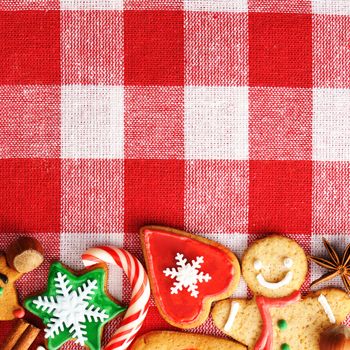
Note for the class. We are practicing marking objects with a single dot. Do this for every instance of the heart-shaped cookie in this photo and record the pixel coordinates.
(187, 274)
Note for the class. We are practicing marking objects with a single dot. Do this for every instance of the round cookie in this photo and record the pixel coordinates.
(274, 266)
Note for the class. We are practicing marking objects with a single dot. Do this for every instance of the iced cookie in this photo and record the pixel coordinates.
(187, 273)
(164, 340)
(278, 317)
(75, 306)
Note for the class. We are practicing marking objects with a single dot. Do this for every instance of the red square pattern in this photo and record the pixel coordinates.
(92, 195)
(280, 195)
(331, 51)
(154, 193)
(30, 193)
(29, 47)
(92, 47)
(216, 48)
(280, 49)
(280, 123)
(331, 198)
(283, 6)
(154, 321)
(30, 121)
(216, 196)
(153, 122)
(154, 46)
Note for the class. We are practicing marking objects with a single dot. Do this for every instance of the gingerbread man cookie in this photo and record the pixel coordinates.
(278, 318)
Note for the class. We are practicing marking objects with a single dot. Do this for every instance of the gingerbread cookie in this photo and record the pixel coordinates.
(23, 255)
(278, 318)
(75, 306)
(187, 273)
(164, 340)
(9, 305)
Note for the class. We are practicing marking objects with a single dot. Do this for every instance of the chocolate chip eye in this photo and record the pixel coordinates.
(257, 265)
(288, 262)
(3, 278)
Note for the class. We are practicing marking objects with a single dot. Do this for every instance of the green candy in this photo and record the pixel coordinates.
(282, 325)
(1, 291)
(285, 346)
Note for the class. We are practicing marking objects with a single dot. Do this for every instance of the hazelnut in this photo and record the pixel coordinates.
(335, 338)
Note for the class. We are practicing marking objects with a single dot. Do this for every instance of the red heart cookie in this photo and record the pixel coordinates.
(187, 274)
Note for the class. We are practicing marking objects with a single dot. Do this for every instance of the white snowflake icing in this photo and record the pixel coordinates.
(70, 309)
(187, 275)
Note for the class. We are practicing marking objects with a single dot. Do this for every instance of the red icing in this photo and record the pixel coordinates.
(264, 304)
(162, 247)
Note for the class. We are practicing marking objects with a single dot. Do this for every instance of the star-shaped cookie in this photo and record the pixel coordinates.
(74, 307)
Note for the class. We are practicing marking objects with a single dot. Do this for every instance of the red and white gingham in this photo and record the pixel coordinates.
(226, 118)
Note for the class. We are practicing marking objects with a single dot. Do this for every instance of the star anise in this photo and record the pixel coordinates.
(336, 265)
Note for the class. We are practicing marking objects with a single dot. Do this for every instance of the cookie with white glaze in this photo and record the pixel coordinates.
(277, 262)
(278, 318)
(75, 306)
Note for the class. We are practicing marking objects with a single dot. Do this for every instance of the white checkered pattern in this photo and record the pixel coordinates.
(92, 121)
(91, 5)
(216, 122)
(216, 6)
(334, 7)
(331, 124)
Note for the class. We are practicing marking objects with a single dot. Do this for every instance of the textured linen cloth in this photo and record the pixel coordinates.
(227, 118)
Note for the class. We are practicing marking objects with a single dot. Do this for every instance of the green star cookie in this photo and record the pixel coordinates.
(74, 307)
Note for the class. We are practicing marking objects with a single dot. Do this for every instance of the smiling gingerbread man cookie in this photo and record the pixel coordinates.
(278, 318)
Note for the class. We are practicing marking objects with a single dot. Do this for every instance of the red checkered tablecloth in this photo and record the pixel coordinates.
(226, 118)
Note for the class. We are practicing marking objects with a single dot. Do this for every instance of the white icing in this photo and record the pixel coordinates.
(288, 262)
(327, 308)
(257, 265)
(187, 275)
(275, 285)
(232, 316)
(40, 348)
(70, 309)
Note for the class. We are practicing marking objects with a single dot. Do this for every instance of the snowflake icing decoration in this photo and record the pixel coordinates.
(187, 275)
(70, 309)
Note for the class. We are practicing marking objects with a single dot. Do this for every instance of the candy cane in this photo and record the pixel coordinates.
(138, 307)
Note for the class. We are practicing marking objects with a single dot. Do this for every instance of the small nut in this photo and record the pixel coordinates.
(335, 338)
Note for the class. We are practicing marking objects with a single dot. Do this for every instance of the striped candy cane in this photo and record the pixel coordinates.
(139, 303)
